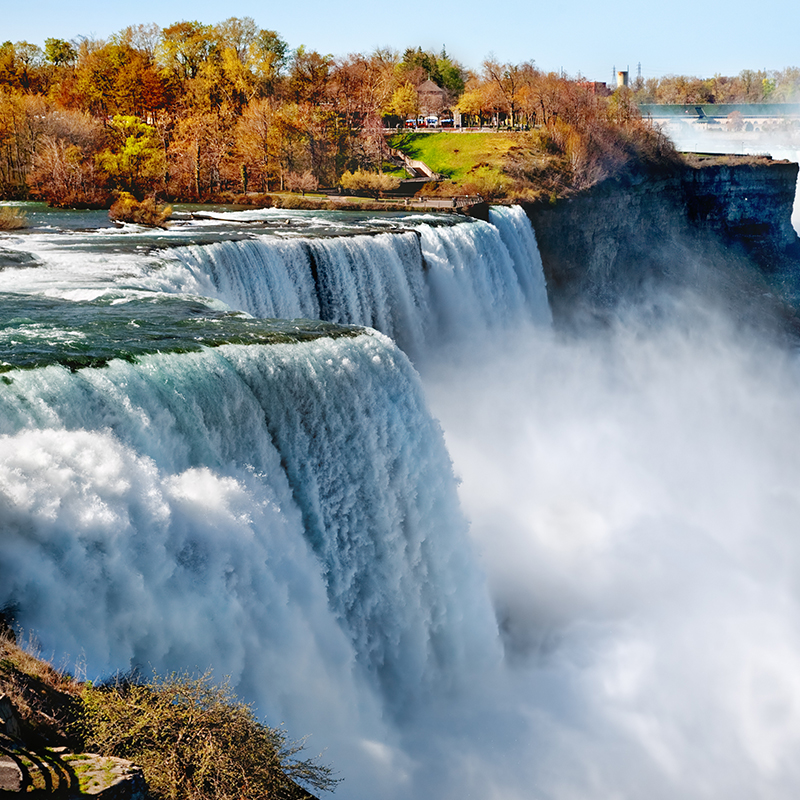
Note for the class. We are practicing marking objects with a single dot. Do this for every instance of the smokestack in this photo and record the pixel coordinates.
(622, 78)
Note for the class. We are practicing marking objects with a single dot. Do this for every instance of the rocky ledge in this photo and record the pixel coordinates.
(612, 242)
(34, 770)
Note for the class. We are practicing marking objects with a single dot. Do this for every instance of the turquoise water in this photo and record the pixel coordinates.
(37, 331)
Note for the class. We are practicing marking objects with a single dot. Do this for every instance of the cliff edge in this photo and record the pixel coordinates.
(723, 221)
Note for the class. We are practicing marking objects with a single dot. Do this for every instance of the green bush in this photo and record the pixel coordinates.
(196, 741)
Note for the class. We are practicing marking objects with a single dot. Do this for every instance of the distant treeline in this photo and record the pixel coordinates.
(194, 111)
(749, 86)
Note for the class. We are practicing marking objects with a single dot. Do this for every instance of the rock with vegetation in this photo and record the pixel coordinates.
(178, 737)
(140, 212)
(12, 219)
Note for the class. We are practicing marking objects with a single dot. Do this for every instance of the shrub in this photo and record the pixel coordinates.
(195, 740)
(301, 182)
(141, 212)
(12, 219)
(372, 184)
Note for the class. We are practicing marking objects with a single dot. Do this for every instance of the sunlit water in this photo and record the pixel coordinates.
(606, 605)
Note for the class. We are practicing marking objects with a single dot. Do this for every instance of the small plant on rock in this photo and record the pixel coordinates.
(12, 219)
(141, 212)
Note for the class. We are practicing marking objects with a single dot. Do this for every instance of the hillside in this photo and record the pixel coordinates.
(549, 161)
(185, 736)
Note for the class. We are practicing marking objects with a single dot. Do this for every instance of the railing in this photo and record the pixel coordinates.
(467, 200)
(415, 167)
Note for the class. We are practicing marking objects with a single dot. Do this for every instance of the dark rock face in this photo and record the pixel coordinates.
(613, 242)
(9, 721)
(749, 206)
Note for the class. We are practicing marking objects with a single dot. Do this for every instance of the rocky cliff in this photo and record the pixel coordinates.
(726, 218)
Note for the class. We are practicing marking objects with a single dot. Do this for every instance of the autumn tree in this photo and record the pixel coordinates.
(114, 78)
(787, 85)
(22, 123)
(21, 67)
(184, 46)
(229, 67)
(65, 172)
(301, 182)
(320, 137)
(475, 102)
(268, 57)
(259, 141)
(309, 73)
(65, 176)
(368, 147)
(143, 37)
(361, 86)
(200, 146)
(404, 102)
(506, 81)
(135, 160)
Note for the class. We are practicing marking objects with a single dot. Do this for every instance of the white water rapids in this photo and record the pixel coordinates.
(607, 605)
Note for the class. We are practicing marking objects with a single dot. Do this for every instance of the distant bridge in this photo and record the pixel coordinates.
(753, 115)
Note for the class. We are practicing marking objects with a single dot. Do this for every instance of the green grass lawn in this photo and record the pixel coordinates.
(457, 155)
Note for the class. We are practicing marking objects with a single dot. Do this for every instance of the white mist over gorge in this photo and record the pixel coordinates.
(471, 553)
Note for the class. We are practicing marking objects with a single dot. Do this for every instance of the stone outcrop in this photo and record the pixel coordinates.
(613, 242)
(69, 776)
(55, 771)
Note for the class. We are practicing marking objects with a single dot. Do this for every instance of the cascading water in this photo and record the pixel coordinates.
(329, 442)
(184, 486)
(420, 288)
(277, 502)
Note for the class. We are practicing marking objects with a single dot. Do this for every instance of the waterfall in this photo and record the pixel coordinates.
(597, 597)
(142, 495)
(519, 239)
(421, 288)
(286, 514)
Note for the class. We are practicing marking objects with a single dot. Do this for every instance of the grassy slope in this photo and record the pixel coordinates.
(458, 156)
(45, 698)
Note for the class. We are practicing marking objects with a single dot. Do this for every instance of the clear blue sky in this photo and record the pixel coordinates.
(681, 37)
